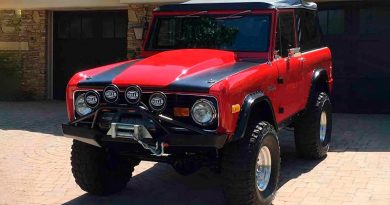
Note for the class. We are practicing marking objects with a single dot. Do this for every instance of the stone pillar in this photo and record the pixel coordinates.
(137, 14)
(34, 75)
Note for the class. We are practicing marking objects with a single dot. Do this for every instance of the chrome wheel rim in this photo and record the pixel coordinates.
(263, 168)
(323, 126)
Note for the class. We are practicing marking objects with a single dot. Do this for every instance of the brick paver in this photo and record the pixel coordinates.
(35, 166)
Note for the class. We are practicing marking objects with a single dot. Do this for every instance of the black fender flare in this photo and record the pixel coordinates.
(319, 75)
(249, 104)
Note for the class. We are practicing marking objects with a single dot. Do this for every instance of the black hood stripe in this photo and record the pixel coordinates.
(202, 82)
(105, 78)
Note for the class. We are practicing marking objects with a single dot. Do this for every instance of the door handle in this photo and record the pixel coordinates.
(302, 59)
(280, 80)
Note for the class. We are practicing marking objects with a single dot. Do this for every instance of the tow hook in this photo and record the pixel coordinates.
(157, 150)
(137, 133)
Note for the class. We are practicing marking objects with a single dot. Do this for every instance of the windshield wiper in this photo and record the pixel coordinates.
(193, 15)
(236, 15)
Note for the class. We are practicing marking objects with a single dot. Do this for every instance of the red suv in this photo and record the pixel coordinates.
(215, 82)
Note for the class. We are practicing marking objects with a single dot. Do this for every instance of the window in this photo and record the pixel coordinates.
(114, 26)
(120, 26)
(285, 35)
(375, 21)
(309, 33)
(332, 21)
(87, 27)
(75, 27)
(63, 28)
(108, 27)
(68, 27)
(165, 38)
(239, 33)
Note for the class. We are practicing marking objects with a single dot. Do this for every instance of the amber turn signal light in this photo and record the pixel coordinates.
(181, 112)
(236, 108)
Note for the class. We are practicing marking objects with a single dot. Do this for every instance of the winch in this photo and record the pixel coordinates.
(138, 133)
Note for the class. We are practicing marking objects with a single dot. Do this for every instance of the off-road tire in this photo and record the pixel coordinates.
(98, 172)
(307, 129)
(239, 164)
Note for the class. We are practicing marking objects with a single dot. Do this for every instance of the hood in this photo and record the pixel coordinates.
(182, 70)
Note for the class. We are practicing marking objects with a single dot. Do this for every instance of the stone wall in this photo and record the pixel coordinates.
(34, 31)
(23, 42)
(23, 47)
(137, 15)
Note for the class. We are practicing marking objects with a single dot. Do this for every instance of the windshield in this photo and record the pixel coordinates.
(233, 33)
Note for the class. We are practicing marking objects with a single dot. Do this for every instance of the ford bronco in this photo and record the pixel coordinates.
(215, 82)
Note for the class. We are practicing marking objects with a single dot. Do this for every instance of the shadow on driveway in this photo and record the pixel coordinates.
(40, 116)
(161, 185)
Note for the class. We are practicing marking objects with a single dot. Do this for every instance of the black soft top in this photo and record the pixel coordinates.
(195, 5)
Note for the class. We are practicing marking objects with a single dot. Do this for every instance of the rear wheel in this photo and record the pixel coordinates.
(251, 166)
(314, 128)
(97, 172)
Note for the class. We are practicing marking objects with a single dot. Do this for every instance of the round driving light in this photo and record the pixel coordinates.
(203, 112)
(133, 94)
(92, 99)
(111, 93)
(158, 101)
(81, 107)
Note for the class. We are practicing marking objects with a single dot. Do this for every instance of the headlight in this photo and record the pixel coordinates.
(81, 107)
(203, 112)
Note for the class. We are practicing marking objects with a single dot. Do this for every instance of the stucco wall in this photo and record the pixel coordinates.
(23, 40)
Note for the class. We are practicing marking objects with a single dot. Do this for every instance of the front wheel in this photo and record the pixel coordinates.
(314, 128)
(97, 172)
(251, 167)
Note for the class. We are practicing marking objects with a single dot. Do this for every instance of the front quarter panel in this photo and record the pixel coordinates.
(233, 90)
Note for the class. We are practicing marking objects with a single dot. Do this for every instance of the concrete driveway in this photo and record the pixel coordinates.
(35, 166)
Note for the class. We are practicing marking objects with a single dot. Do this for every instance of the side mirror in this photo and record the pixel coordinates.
(293, 51)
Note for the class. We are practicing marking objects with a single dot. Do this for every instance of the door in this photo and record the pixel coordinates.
(358, 35)
(289, 65)
(310, 40)
(84, 40)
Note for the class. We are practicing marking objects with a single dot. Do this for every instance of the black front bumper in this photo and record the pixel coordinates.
(173, 139)
(173, 134)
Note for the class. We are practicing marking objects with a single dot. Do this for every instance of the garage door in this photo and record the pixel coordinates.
(85, 40)
(358, 35)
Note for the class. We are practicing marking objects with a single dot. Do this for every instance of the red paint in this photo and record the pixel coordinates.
(159, 69)
(72, 84)
(292, 95)
(164, 68)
